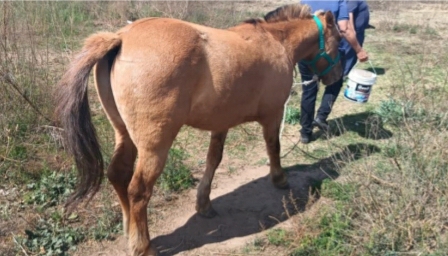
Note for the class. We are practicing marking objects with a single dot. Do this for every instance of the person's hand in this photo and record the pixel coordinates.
(362, 55)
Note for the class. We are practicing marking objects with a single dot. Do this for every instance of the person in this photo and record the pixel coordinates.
(350, 45)
(359, 17)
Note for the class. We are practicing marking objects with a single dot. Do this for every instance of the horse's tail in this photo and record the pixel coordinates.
(73, 113)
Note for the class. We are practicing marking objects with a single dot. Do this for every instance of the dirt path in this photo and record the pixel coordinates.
(247, 204)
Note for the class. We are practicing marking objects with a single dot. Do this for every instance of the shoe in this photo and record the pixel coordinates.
(321, 124)
(305, 138)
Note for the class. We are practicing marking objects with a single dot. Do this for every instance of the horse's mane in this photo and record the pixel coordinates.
(285, 13)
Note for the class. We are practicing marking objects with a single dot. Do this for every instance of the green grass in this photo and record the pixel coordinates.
(332, 238)
(339, 192)
(278, 237)
(176, 175)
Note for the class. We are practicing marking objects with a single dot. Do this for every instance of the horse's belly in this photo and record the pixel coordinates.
(207, 119)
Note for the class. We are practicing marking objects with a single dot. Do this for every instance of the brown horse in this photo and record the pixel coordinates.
(157, 74)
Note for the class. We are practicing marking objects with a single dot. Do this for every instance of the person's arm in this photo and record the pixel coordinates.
(351, 22)
(347, 29)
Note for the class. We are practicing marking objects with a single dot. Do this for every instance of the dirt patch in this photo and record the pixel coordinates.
(247, 204)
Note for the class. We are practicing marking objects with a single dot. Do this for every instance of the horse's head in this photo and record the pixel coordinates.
(324, 62)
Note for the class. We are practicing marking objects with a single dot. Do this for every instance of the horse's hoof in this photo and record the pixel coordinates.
(153, 252)
(149, 252)
(209, 213)
(283, 185)
(280, 181)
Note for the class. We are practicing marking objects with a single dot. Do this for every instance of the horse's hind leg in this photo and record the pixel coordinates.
(120, 172)
(152, 153)
(271, 131)
(214, 157)
(121, 167)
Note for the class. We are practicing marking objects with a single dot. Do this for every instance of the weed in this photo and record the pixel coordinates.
(231, 169)
(278, 237)
(393, 111)
(176, 176)
(52, 238)
(338, 191)
(331, 240)
(259, 242)
(262, 161)
(51, 189)
(18, 152)
(430, 31)
(292, 115)
(401, 27)
(106, 226)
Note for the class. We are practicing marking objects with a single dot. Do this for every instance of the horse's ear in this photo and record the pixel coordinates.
(329, 18)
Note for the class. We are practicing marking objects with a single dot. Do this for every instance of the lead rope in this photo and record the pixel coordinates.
(315, 78)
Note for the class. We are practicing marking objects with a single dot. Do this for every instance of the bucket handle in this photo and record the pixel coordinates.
(374, 71)
(371, 65)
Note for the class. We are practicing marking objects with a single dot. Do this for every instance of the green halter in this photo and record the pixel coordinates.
(322, 53)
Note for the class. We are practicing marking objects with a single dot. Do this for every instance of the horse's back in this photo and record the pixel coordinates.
(218, 77)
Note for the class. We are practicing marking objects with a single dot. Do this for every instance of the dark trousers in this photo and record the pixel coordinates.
(309, 95)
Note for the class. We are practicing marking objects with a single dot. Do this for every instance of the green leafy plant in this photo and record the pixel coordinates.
(394, 111)
(292, 115)
(52, 238)
(51, 188)
(338, 191)
(278, 237)
(332, 237)
(176, 175)
(19, 152)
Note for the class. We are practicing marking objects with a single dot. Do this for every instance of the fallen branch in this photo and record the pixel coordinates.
(10, 80)
(9, 159)
(381, 181)
(21, 247)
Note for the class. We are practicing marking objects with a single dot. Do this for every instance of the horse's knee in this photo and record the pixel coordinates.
(121, 167)
(118, 176)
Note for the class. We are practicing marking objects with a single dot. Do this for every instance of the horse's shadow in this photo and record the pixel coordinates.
(256, 205)
(365, 124)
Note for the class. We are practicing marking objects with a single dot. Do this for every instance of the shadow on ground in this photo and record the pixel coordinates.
(378, 70)
(257, 205)
(366, 124)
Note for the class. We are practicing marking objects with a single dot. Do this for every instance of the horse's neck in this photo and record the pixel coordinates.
(299, 37)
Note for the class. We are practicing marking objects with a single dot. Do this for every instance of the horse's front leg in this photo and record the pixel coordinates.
(214, 157)
(271, 130)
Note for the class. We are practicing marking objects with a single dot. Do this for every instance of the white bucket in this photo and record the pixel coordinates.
(359, 85)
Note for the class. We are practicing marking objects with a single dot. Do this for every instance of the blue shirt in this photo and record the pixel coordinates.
(361, 14)
(337, 7)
